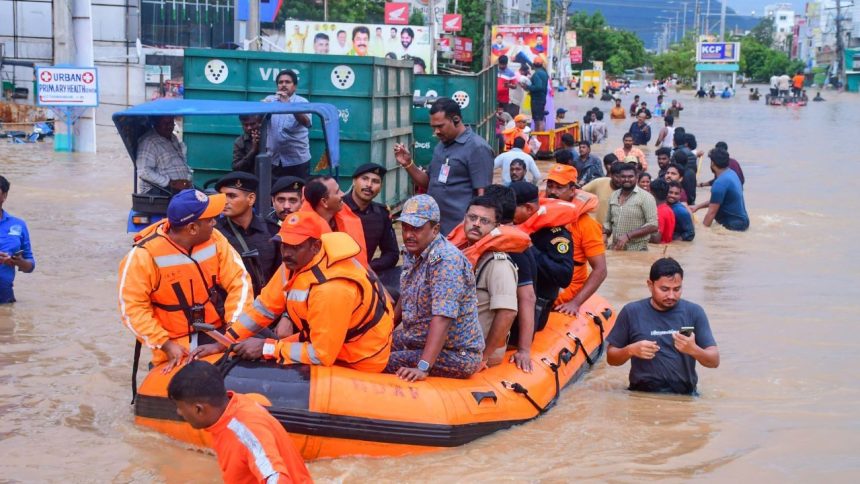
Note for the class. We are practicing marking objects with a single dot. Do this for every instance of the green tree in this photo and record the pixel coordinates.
(417, 17)
(679, 60)
(618, 49)
(352, 11)
(763, 32)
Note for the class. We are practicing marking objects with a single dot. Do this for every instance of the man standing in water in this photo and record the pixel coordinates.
(726, 204)
(15, 249)
(663, 336)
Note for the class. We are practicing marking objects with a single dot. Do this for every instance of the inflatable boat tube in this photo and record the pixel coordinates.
(336, 411)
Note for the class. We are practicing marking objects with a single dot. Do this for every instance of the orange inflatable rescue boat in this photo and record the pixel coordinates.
(337, 411)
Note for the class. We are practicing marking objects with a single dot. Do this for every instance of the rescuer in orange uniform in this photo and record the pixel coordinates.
(517, 131)
(586, 235)
(340, 308)
(179, 272)
(252, 446)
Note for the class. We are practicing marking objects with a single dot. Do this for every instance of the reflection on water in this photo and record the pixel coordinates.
(781, 298)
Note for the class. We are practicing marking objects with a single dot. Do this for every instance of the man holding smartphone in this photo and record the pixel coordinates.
(287, 138)
(663, 336)
(15, 250)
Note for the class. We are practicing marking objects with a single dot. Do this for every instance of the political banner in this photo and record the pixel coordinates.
(521, 43)
(376, 40)
(576, 55)
(718, 52)
(67, 86)
(570, 38)
(396, 13)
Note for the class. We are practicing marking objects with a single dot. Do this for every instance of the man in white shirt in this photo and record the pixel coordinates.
(504, 160)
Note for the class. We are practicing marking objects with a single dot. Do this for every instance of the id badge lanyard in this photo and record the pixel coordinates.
(443, 172)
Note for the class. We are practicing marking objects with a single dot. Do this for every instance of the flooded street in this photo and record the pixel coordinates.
(782, 300)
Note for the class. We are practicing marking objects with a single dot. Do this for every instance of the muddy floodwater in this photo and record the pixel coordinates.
(782, 299)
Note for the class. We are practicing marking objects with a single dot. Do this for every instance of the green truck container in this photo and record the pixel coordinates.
(373, 96)
(476, 95)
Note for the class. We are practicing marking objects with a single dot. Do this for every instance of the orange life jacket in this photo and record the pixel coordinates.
(367, 342)
(558, 213)
(513, 133)
(159, 290)
(347, 221)
(503, 238)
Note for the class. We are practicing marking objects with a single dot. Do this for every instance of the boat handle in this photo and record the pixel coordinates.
(481, 396)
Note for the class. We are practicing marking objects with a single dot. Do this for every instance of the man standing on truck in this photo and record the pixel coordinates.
(288, 133)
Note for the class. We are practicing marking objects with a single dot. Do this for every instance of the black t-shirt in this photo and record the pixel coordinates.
(526, 267)
(553, 253)
(670, 370)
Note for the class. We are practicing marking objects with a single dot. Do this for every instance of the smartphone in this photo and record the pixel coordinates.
(20, 253)
(687, 330)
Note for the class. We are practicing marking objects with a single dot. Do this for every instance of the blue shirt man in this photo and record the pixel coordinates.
(15, 249)
(726, 204)
(287, 138)
(684, 228)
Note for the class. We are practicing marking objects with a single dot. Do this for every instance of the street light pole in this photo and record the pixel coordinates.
(723, 21)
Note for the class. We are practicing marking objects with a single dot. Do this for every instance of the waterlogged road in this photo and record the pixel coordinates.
(782, 299)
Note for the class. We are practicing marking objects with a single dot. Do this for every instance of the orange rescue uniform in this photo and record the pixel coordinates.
(587, 237)
(159, 283)
(253, 447)
(511, 134)
(503, 238)
(348, 222)
(340, 308)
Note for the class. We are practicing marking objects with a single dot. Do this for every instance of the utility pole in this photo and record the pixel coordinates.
(696, 21)
(840, 53)
(707, 28)
(723, 21)
(684, 30)
(676, 26)
(252, 31)
(488, 19)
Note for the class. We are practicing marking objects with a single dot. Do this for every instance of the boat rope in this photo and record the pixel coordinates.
(225, 363)
(564, 357)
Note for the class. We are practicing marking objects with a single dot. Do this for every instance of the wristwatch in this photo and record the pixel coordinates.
(423, 366)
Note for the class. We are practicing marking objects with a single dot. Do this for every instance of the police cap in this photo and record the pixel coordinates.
(287, 184)
(239, 180)
(374, 168)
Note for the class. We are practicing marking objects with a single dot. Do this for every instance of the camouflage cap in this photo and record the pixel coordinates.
(418, 210)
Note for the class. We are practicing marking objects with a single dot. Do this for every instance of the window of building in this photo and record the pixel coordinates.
(203, 24)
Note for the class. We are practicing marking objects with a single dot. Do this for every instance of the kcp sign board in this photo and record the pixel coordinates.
(67, 86)
(718, 52)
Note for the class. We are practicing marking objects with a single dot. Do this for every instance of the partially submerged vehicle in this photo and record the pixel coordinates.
(150, 207)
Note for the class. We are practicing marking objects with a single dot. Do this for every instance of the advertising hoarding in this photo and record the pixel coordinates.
(521, 43)
(718, 52)
(576, 55)
(377, 40)
(463, 49)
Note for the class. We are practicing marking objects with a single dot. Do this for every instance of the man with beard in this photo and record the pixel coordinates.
(587, 237)
(246, 231)
(631, 154)
(407, 35)
(632, 216)
(664, 157)
(247, 146)
(663, 336)
(640, 130)
(374, 216)
(588, 166)
(684, 228)
(286, 199)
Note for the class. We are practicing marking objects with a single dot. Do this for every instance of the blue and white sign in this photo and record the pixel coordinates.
(718, 52)
(67, 86)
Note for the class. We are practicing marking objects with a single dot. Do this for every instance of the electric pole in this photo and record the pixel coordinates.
(840, 54)
(488, 19)
(723, 21)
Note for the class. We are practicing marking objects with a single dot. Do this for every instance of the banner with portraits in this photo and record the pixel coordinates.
(377, 40)
(522, 44)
